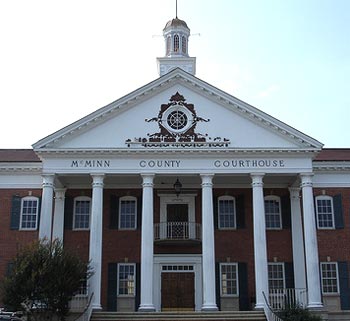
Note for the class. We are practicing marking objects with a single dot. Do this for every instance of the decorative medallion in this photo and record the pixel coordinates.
(177, 121)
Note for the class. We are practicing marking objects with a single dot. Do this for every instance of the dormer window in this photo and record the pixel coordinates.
(176, 43)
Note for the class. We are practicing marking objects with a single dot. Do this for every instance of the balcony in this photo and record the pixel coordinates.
(177, 233)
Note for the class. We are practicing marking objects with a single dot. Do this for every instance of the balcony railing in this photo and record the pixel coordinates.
(177, 231)
(282, 298)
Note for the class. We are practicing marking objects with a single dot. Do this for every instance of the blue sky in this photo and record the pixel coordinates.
(61, 60)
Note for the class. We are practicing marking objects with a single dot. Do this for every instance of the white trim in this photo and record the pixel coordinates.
(324, 197)
(283, 271)
(237, 280)
(278, 199)
(337, 273)
(28, 198)
(126, 295)
(184, 259)
(81, 198)
(127, 198)
(227, 198)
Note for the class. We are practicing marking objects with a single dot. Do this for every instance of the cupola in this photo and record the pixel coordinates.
(176, 34)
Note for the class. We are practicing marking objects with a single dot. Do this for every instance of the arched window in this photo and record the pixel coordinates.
(324, 212)
(82, 210)
(168, 45)
(184, 45)
(273, 212)
(176, 43)
(127, 212)
(227, 212)
(29, 213)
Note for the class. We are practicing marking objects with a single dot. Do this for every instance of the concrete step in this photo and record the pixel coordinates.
(179, 316)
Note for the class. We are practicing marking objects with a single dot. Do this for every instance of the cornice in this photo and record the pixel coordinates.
(331, 166)
(26, 168)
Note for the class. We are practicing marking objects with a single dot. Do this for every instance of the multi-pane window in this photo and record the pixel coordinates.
(168, 45)
(226, 212)
(276, 275)
(126, 279)
(82, 209)
(324, 212)
(29, 213)
(176, 43)
(329, 276)
(127, 212)
(273, 212)
(229, 279)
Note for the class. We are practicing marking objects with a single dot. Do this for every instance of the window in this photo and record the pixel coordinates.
(184, 44)
(127, 212)
(168, 45)
(126, 279)
(273, 212)
(229, 279)
(329, 276)
(176, 43)
(276, 275)
(82, 208)
(227, 212)
(324, 212)
(29, 213)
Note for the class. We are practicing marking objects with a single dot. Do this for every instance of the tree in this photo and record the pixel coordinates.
(43, 280)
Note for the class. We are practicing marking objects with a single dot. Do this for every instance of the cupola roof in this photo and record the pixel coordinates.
(175, 23)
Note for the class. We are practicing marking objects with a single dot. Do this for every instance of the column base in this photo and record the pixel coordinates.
(96, 306)
(259, 306)
(315, 306)
(209, 307)
(146, 308)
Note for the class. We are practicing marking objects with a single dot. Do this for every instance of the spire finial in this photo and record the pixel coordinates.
(176, 9)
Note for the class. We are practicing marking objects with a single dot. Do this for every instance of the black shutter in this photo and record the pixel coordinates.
(9, 269)
(138, 286)
(68, 212)
(289, 275)
(217, 283)
(39, 212)
(139, 212)
(215, 211)
(286, 212)
(240, 210)
(338, 211)
(114, 212)
(344, 285)
(112, 288)
(243, 286)
(15, 212)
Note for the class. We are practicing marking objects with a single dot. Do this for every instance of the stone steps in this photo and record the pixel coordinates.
(179, 316)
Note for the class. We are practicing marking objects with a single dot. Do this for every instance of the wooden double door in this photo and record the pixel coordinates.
(178, 291)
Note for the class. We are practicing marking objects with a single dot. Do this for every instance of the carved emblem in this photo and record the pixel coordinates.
(177, 121)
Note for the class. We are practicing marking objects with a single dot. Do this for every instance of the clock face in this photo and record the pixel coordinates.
(177, 119)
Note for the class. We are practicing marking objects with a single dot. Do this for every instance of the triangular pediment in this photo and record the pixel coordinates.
(150, 118)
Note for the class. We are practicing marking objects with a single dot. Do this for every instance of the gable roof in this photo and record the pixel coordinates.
(179, 76)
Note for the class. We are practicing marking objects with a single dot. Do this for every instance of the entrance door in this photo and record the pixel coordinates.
(177, 221)
(178, 291)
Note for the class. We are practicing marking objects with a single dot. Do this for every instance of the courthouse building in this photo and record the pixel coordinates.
(185, 198)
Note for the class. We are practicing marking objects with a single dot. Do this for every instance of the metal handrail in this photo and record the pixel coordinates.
(177, 231)
(269, 312)
(86, 314)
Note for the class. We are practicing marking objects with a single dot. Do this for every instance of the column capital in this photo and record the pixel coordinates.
(97, 180)
(147, 179)
(207, 180)
(59, 193)
(257, 179)
(294, 192)
(48, 180)
(306, 179)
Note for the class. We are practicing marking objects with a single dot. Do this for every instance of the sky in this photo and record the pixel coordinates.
(62, 60)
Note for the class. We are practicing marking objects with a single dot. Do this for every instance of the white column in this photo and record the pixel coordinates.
(297, 239)
(146, 304)
(46, 207)
(311, 249)
(260, 252)
(208, 245)
(58, 216)
(95, 252)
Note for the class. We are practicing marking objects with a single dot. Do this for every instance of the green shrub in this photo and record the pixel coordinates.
(297, 313)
